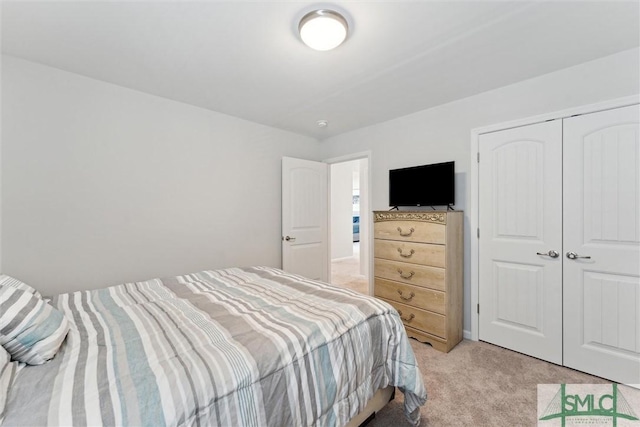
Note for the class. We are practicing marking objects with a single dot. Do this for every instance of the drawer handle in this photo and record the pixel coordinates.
(411, 295)
(411, 273)
(407, 319)
(411, 230)
(411, 252)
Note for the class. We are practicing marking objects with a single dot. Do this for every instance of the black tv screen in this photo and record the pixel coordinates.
(427, 185)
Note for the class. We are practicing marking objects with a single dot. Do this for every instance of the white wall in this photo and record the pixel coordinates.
(443, 133)
(102, 184)
(342, 208)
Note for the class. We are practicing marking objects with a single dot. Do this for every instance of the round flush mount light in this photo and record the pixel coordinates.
(323, 29)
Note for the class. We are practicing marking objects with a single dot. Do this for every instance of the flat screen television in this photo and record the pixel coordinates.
(426, 185)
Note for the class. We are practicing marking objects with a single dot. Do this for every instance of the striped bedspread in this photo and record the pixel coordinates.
(232, 347)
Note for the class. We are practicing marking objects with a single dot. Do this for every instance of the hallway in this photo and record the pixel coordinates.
(345, 272)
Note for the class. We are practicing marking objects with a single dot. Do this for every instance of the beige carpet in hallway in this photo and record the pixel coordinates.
(345, 272)
(478, 384)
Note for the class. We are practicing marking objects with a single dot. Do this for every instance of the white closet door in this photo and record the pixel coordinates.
(520, 284)
(602, 222)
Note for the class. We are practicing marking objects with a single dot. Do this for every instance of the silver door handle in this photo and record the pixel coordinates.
(551, 253)
(290, 239)
(573, 255)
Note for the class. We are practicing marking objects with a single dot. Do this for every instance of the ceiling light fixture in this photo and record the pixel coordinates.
(323, 29)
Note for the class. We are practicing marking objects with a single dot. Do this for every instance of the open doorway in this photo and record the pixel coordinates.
(349, 218)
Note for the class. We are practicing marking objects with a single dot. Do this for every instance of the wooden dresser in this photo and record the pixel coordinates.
(418, 269)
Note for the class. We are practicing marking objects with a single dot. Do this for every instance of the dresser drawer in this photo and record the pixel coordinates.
(410, 231)
(411, 295)
(415, 253)
(413, 274)
(420, 319)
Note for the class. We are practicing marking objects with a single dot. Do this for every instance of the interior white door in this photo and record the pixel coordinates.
(520, 225)
(305, 218)
(602, 244)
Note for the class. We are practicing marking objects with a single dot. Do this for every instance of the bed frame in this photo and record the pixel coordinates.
(377, 402)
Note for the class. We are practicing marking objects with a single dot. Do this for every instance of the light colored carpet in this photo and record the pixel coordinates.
(479, 384)
(345, 272)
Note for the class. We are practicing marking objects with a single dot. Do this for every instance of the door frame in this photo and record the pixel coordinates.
(474, 181)
(367, 229)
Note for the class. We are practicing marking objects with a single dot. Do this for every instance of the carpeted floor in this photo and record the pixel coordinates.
(345, 272)
(479, 384)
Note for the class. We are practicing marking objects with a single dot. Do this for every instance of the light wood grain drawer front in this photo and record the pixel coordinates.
(420, 319)
(415, 253)
(410, 295)
(413, 274)
(410, 231)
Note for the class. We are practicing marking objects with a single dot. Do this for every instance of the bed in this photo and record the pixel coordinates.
(233, 347)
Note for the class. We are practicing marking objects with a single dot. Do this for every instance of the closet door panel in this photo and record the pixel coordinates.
(601, 233)
(520, 175)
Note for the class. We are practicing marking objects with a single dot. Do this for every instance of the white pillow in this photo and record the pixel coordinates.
(30, 329)
(15, 283)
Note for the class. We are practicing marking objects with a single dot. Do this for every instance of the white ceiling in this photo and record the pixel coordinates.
(246, 59)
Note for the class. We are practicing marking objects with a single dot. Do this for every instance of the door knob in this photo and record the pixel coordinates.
(290, 239)
(551, 253)
(573, 255)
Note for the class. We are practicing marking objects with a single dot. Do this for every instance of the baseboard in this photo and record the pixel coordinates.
(466, 334)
